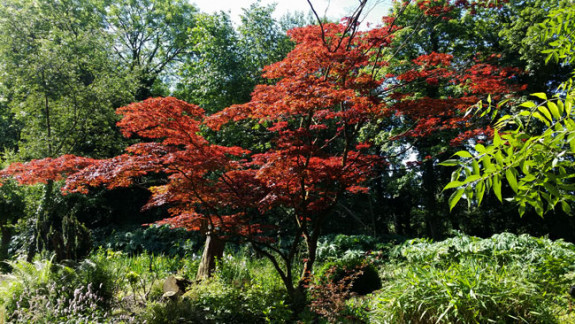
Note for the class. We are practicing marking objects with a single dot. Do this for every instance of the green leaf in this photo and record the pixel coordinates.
(475, 166)
(566, 207)
(454, 198)
(568, 106)
(480, 191)
(540, 95)
(528, 104)
(463, 154)
(554, 110)
(450, 163)
(496, 139)
(511, 179)
(497, 187)
(453, 184)
(521, 210)
(561, 107)
(545, 112)
(541, 118)
(480, 148)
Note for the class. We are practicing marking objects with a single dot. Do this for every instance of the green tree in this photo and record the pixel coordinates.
(213, 76)
(60, 87)
(59, 80)
(226, 63)
(150, 37)
(263, 39)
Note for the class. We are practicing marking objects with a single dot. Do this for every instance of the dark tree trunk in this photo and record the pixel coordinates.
(433, 219)
(6, 232)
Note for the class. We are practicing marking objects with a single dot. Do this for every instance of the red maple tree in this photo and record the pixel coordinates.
(322, 97)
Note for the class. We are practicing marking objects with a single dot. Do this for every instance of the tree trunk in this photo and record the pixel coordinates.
(433, 219)
(6, 230)
(213, 250)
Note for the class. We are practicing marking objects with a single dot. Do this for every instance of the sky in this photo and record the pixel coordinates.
(333, 9)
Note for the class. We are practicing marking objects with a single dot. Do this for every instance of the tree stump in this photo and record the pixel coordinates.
(174, 287)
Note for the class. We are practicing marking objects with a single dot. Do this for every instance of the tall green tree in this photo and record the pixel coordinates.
(446, 57)
(226, 63)
(60, 86)
(60, 83)
(213, 76)
(150, 37)
(262, 39)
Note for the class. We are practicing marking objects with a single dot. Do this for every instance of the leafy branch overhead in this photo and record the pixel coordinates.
(532, 150)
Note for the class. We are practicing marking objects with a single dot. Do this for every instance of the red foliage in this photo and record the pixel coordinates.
(324, 85)
(323, 93)
(443, 113)
(41, 171)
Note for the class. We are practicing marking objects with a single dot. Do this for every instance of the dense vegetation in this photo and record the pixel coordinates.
(286, 170)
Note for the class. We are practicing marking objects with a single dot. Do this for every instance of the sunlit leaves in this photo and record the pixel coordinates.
(558, 30)
(534, 166)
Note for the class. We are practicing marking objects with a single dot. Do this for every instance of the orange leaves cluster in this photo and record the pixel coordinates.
(324, 70)
(173, 121)
(41, 171)
(432, 114)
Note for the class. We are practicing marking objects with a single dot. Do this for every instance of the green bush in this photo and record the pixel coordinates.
(339, 246)
(502, 279)
(150, 239)
(138, 278)
(173, 312)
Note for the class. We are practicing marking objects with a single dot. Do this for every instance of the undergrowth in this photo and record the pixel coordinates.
(502, 279)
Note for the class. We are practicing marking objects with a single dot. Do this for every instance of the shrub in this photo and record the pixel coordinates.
(505, 278)
(213, 301)
(173, 312)
(329, 298)
(137, 277)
